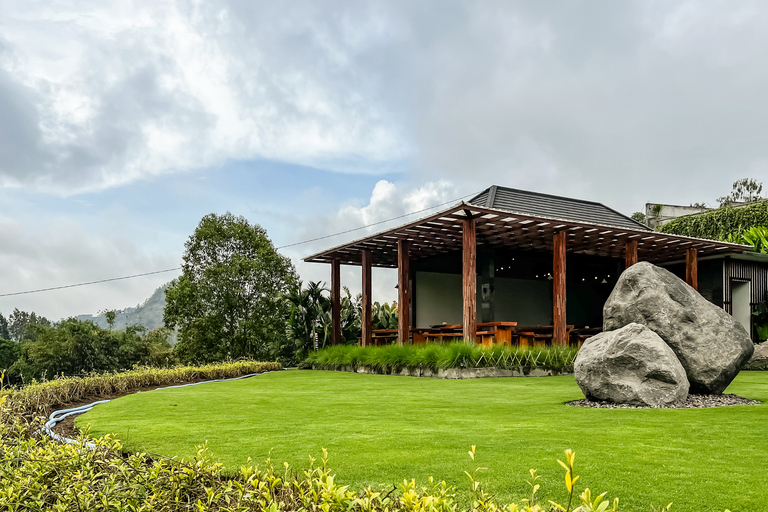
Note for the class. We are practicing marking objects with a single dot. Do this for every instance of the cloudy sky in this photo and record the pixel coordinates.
(122, 123)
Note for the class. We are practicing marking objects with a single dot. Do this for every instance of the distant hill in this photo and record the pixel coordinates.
(149, 314)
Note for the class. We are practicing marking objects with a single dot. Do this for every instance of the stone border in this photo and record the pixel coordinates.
(459, 373)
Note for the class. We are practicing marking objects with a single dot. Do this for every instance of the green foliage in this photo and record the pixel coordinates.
(756, 236)
(5, 334)
(310, 325)
(110, 315)
(384, 315)
(228, 302)
(639, 217)
(394, 358)
(9, 353)
(21, 324)
(75, 347)
(720, 224)
(745, 190)
(38, 397)
(760, 316)
(41, 474)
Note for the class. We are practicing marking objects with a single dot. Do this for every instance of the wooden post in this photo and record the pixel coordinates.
(469, 279)
(336, 300)
(630, 253)
(366, 316)
(403, 293)
(692, 268)
(560, 336)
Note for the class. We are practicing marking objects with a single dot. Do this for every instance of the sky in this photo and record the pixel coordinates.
(123, 123)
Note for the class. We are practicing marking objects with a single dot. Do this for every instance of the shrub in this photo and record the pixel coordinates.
(394, 358)
(38, 397)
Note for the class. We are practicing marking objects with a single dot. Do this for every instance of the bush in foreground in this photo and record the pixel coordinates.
(393, 358)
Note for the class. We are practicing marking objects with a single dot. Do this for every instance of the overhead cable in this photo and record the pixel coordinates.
(276, 248)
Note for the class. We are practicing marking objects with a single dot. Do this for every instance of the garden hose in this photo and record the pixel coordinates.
(58, 416)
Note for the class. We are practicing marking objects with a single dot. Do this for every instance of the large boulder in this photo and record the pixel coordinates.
(710, 344)
(631, 365)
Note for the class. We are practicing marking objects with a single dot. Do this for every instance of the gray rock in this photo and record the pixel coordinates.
(710, 344)
(631, 365)
(759, 360)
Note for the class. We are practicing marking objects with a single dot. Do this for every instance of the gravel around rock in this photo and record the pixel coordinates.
(692, 402)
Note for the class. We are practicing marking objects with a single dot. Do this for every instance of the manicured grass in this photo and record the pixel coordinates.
(381, 429)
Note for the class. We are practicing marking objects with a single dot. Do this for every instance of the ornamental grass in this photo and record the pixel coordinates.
(39, 397)
(394, 358)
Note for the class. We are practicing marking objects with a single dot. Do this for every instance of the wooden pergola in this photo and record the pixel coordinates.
(466, 226)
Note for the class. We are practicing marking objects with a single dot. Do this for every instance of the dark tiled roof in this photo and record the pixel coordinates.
(554, 207)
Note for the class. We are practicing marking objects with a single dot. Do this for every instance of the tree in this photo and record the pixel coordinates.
(228, 302)
(20, 321)
(745, 190)
(639, 217)
(4, 333)
(308, 307)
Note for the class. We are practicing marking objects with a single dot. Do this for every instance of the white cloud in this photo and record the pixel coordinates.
(122, 91)
(388, 200)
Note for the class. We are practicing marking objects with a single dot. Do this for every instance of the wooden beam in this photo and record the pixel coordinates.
(367, 319)
(692, 268)
(336, 301)
(469, 278)
(630, 253)
(558, 289)
(403, 292)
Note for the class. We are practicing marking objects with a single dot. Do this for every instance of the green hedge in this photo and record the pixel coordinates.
(393, 358)
(39, 397)
(721, 223)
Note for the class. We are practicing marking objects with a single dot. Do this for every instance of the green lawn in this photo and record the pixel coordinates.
(381, 429)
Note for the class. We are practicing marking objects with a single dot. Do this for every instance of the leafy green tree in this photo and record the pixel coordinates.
(4, 333)
(20, 321)
(746, 190)
(228, 302)
(308, 306)
(74, 347)
(109, 316)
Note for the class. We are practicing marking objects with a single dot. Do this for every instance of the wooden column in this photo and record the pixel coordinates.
(560, 336)
(366, 316)
(336, 301)
(403, 293)
(469, 278)
(692, 268)
(630, 253)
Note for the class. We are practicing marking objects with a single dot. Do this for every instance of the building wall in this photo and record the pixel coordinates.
(524, 301)
(438, 299)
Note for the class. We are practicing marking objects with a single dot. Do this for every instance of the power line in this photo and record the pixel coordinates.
(376, 223)
(90, 282)
(281, 247)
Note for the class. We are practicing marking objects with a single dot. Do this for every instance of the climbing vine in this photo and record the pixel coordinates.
(725, 223)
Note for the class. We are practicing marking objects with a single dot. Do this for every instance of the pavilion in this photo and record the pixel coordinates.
(520, 254)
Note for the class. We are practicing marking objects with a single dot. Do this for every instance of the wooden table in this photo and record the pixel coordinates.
(502, 333)
(443, 332)
(538, 335)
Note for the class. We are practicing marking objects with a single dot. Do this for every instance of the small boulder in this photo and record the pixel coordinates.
(631, 365)
(710, 344)
(759, 360)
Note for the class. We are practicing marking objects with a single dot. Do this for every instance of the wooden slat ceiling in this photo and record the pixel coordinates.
(441, 233)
